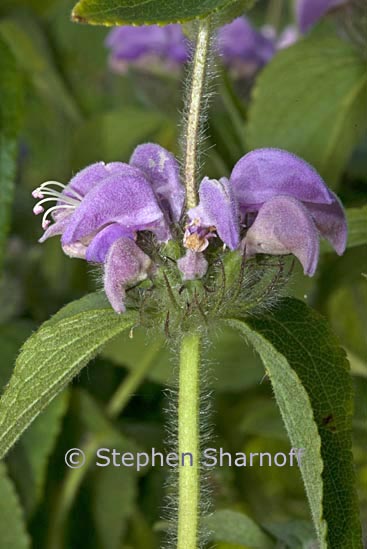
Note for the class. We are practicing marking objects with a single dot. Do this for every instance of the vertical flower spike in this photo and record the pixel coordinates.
(217, 211)
(244, 48)
(126, 264)
(162, 169)
(308, 12)
(284, 226)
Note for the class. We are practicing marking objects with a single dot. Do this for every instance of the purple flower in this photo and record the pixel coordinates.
(193, 265)
(308, 12)
(101, 211)
(139, 45)
(246, 50)
(282, 202)
(243, 48)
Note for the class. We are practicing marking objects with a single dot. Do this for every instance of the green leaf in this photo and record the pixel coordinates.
(114, 495)
(32, 52)
(295, 534)
(10, 109)
(12, 529)
(52, 356)
(236, 528)
(312, 385)
(113, 135)
(357, 229)
(34, 450)
(12, 337)
(311, 100)
(148, 12)
(225, 354)
(357, 226)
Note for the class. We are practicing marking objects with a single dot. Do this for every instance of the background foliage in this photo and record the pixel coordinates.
(61, 109)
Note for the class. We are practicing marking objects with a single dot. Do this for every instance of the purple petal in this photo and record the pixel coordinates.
(308, 12)
(101, 243)
(56, 228)
(87, 178)
(217, 208)
(289, 36)
(330, 221)
(284, 226)
(264, 173)
(130, 44)
(193, 265)
(162, 169)
(239, 41)
(178, 44)
(126, 264)
(125, 198)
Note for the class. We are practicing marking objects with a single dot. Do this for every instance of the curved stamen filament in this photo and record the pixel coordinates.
(45, 221)
(46, 186)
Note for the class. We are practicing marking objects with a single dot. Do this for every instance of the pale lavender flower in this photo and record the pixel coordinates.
(281, 202)
(142, 45)
(309, 12)
(269, 181)
(101, 211)
(243, 48)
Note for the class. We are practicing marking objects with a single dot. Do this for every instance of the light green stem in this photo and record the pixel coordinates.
(195, 114)
(188, 442)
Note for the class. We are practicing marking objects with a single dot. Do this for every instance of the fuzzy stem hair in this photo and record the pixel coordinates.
(195, 109)
(189, 442)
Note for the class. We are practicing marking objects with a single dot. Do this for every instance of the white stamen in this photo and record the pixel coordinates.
(38, 209)
(45, 221)
(62, 200)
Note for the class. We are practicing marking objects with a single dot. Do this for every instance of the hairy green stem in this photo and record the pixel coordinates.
(188, 442)
(195, 112)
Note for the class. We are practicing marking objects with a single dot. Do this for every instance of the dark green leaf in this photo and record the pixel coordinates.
(311, 382)
(145, 12)
(114, 494)
(12, 529)
(113, 135)
(10, 109)
(311, 100)
(28, 460)
(52, 356)
(31, 50)
(237, 528)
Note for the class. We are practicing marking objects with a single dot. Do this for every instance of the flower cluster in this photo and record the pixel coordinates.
(277, 201)
(242, 48)
(273, 203)
(101, 211)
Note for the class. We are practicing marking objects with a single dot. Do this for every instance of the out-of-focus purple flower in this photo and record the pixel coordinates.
(308, 12)
(282, 202)
(243, 48)
(104, 206)
(139, 45)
